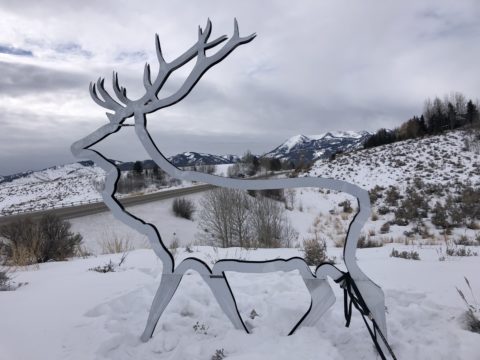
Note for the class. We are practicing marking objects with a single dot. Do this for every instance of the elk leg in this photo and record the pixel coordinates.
(374, 298)
(322, 298)
(168, 285)
(222, 292)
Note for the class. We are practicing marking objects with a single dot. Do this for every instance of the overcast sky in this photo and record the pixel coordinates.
(315, 66)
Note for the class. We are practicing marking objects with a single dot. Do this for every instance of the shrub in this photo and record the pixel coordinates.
(30, 241)
(383, 210)
(392, 196)
(174, 245)
(315, 251)
(183, 208)
(439, 216)
(219, 354)
(200, 328)
(376, 193)
(347, 206)
(110, 266)
(460, 251)
(471, 315)
(115, 244)
(409, 255)
(385, 228)
(364, 242)
(465, 241)
(253, 314)
(274, 194)
(5, 283)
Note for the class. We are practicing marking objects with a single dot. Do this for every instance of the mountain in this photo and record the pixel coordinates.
(192, 158)
(314, 147)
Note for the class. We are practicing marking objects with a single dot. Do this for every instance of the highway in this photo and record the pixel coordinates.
(94, 208)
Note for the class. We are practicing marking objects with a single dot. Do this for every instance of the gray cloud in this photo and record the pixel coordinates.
(6, 49)
(314, 67)
(25, 79)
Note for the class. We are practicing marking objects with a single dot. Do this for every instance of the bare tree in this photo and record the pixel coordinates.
(224, 218)
(290, 199)
(270, 225)
(215, 218)
(229, 217)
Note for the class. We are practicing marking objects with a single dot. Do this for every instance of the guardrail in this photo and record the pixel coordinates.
(92, 206)
(47, 207)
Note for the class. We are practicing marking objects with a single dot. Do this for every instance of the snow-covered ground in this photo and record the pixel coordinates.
(69, 312)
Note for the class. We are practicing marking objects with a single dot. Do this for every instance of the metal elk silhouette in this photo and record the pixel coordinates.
(364, 293)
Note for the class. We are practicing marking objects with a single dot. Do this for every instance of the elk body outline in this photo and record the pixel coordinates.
(322, 296)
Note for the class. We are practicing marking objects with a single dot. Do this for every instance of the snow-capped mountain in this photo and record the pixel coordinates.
(312, 147)
(192, 158)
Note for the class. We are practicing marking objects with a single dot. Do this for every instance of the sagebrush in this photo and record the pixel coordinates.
(29, 241)
(183, 208)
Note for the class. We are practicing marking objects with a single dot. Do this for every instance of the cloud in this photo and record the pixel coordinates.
(315, 66)
(72, 48)
(5, 49)
(23, 79)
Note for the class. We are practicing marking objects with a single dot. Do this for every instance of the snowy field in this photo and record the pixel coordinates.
(68, 312)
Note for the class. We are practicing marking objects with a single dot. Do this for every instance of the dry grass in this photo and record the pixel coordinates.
(113, 243)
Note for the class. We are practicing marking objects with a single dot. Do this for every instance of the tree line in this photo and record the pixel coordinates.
(453, 112)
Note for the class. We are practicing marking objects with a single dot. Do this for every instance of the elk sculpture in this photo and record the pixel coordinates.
(364, 293)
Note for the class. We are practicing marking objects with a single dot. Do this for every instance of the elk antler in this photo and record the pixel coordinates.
(150, 102)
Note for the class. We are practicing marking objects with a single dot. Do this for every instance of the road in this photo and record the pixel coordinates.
(94, 208)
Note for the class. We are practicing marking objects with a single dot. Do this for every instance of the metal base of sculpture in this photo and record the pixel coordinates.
(322, 297)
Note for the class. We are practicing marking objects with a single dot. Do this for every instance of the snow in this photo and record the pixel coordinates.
(293, 141)
(338, 134)
(298, 139)
(53, 187)
(435, 159)
(69, 312)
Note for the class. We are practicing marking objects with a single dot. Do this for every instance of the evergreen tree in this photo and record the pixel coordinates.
(138, 167)
(472, 112)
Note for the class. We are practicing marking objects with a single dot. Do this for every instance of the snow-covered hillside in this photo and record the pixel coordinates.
(313, 147)
(53, 187)
(436, 159)
(421, 190)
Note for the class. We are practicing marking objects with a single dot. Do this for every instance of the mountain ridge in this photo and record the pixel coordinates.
(309, 148)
